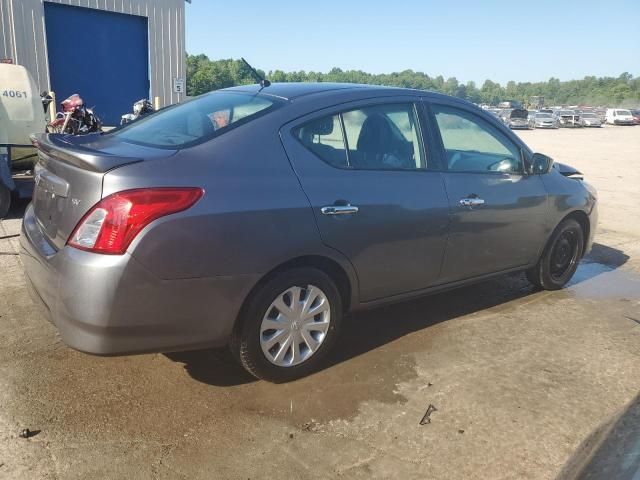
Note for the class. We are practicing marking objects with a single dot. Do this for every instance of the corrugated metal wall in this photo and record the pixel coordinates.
(22, 38)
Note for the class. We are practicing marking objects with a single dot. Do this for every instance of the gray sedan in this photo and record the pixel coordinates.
(588, 119)
(543, 120)
(257, 217)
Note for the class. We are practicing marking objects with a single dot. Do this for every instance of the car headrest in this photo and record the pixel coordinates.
(321, 126)
(375, 134)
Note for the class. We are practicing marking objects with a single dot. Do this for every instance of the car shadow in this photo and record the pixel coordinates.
(611, 451)
(386, 324)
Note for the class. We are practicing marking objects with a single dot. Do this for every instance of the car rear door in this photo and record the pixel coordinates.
(366, 173)
(498, 212)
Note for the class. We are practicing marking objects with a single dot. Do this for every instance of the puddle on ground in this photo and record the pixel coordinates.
(598, 281)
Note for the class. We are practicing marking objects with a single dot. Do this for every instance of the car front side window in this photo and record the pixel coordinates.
(472, 145)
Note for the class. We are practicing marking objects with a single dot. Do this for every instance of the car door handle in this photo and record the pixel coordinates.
(471, 202)
(339, 210)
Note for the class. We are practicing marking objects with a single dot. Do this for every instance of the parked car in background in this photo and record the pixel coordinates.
(602, 114)
(568, 118)
(515, 118)
(619, 116)
(588, 119)
(636, 116)
(509, 104)
(543, 120)
(178, 232)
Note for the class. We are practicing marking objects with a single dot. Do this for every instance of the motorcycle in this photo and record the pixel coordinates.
(75, 118)
(141, 108)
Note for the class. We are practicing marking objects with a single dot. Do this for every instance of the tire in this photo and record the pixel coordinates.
(5, 200)
(251, 335)
(560, 257)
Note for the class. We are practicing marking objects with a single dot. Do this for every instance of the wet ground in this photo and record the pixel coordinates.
(525, 383)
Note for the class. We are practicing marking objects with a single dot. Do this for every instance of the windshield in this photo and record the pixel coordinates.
(589, 115)
(623, 112)
(193, 121)
(543, 115)
(566, 112)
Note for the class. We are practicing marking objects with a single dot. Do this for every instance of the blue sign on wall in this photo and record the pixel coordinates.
(102, 56)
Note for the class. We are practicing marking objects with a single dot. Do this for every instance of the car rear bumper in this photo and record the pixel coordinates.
(111, 304)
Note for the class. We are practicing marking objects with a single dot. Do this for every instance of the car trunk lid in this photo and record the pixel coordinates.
(69, 175)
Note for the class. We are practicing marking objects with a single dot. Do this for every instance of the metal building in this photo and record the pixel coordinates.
(111, 52)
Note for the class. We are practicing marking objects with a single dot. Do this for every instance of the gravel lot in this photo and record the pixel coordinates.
(526, 384)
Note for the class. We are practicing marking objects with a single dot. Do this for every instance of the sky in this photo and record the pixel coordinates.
(470, 40)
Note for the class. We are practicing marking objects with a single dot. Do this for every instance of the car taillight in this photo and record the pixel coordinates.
(112, 224)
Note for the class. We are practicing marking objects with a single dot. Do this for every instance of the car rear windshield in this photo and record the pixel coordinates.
(194, 121)
(589, 115)
(623, 112)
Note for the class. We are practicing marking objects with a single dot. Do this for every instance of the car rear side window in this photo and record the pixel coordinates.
(380, 137)
(194, 121)
(324, 137)
(472, 145)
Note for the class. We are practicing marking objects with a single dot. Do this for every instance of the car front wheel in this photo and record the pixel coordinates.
(288, 326)
(560, 257)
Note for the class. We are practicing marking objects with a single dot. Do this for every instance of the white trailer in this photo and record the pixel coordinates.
(21, 114)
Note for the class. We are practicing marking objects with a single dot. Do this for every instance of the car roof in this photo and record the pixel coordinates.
(313, 91)
(292, 90)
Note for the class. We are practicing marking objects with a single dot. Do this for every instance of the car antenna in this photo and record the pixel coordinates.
(263, 82)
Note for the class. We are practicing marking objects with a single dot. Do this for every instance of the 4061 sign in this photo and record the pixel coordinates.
(14, 93)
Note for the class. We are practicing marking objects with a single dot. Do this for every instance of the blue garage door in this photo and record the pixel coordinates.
(102, 56)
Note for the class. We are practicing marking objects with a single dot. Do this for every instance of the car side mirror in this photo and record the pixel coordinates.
(541, 164)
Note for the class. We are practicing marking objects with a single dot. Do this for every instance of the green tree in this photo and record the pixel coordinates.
(204, 75)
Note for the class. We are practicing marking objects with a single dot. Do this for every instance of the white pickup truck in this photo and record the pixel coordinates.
(21, 114)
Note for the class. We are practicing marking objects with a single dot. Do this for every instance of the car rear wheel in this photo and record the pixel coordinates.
(560, 257)
(288, 326)
(5, 200)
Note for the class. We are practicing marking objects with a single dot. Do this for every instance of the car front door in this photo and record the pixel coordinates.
(498, 212)
(366, 173)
